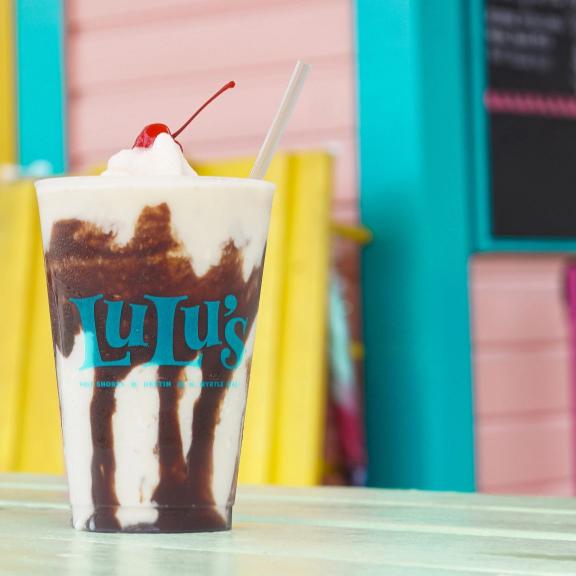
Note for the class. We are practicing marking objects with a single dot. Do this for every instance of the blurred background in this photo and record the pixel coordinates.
(419, 300)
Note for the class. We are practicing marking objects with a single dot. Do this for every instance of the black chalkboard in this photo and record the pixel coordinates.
(531, 101)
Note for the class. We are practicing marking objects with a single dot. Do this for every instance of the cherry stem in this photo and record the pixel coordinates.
(230, 84)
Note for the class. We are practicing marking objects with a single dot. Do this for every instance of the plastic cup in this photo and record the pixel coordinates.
(153, 286)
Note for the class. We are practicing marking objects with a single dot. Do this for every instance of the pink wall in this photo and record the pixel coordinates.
(522, 375)
(132, 63)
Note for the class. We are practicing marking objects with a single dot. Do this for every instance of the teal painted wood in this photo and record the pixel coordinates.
(481, 219)
(415, 193)
(40, 75)
(484, 241)
(294, 531)
(527, 245)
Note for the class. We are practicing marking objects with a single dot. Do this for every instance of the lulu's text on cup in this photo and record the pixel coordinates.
(222, 329)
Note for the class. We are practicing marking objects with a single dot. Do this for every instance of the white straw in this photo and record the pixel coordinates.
(281, 119)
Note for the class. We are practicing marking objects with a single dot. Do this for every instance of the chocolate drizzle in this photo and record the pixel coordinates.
(83, 260)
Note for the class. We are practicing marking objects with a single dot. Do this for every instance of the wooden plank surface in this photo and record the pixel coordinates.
(40, 43)
(181, 58)
(7, 129)
(299, 419)
(285, 531)
(191, 44)
(17, 248)
(522, 374)
(415, 272)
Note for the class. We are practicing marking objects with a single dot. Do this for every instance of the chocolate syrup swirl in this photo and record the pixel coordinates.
(84, 260)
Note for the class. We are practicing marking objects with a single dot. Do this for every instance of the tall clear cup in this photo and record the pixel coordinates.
(153, 286)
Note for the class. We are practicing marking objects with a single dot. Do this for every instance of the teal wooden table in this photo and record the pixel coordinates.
(283, 531)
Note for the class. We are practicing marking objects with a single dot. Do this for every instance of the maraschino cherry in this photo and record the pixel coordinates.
(148, 135)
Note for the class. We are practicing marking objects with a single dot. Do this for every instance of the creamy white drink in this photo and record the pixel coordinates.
(153, 277)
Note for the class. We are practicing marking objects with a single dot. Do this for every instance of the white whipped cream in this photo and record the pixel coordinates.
(163, 158)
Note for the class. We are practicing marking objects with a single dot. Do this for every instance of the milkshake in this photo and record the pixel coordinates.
(154, 278)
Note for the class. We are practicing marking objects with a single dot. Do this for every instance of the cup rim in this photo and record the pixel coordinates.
(190, 182)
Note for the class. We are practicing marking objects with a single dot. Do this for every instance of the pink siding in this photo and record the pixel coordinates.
(521, 379)
(130, 64)
(522, 375)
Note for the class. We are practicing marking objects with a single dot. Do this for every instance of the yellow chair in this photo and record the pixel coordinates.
(29, 422)
(283, 435)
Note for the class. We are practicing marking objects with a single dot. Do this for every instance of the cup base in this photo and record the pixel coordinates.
(165, 519)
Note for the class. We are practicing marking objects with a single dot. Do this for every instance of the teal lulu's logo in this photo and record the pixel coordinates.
(232, 339)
